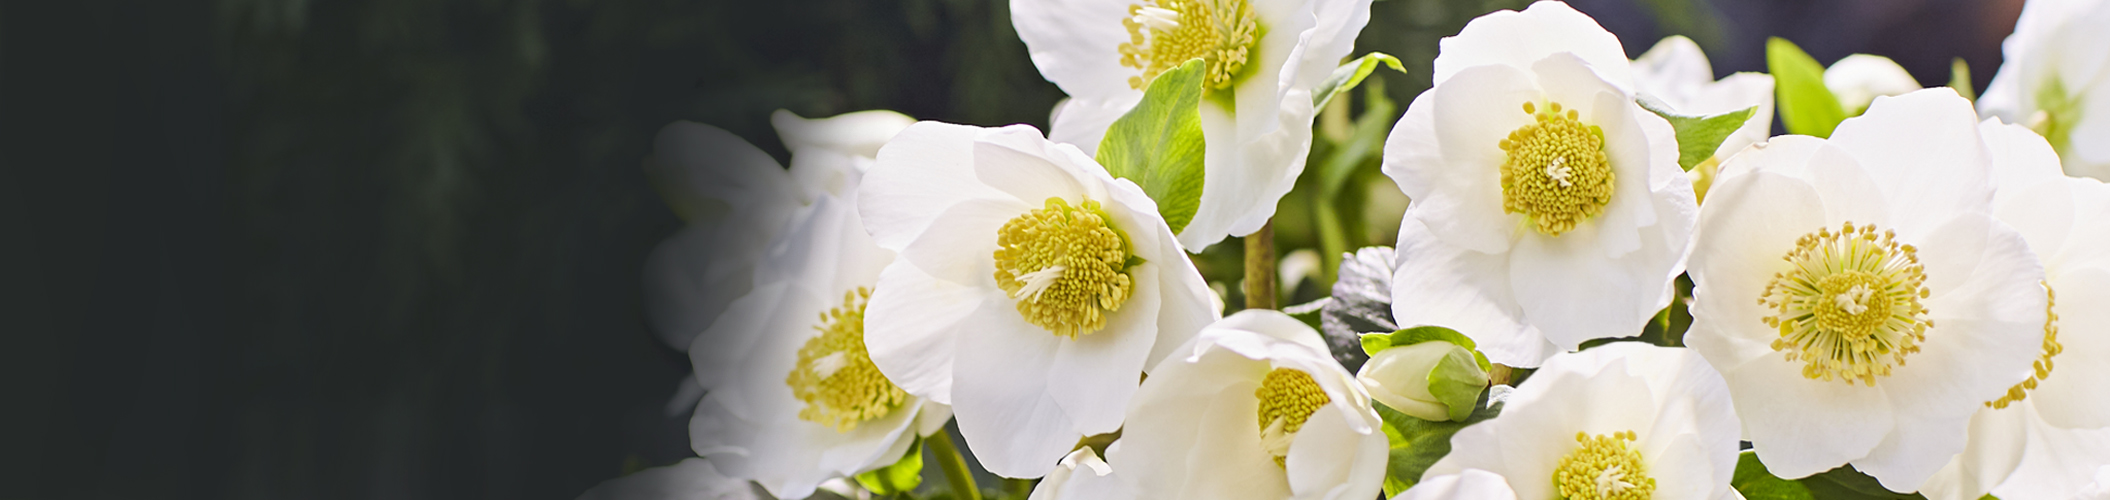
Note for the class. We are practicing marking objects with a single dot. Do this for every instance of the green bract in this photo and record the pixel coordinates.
(1698, 136)
(1158, 144)
(1429, 372)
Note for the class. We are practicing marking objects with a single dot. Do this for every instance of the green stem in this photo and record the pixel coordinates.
(1018, 488)
(956, 473)
(1333, 239)
(1260, 268)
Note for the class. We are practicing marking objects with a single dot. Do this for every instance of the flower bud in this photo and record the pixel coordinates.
(1431, 380)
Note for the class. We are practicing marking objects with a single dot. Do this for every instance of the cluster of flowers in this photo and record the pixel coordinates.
(1921, 295)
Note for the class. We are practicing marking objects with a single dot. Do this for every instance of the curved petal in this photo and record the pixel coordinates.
(1801, 426)
(926, 169)
(1082, 122)
(1521, 38)
(1076, 43)
(1191, 433)
(2072, 397)
(860, 133)
(1095, 374)
(1436, 283)
(1997, 439)
(1470, 484)
(1460, 198)
(692, 162)
(910, 322)
(1923, 149)
(1002, 401)
(2021, 158)
(1754, 219)
(1634, 158)
(1012, 160)
(2059, 463)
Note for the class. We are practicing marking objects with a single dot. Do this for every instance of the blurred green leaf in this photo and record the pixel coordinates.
(1698, 135)
(1806, 106)
(1158, 144)
(1960, 79)
(1348, 75)
(1847, 483)
(1756, 483)
(901, 477)
(1417, 444)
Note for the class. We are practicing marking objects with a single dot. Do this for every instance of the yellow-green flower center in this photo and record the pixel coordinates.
(1604, 468)
(1556, 172)
(1067, 266)
(1850, 305)
(1163, 34)
(2057, 113)
(1288, 397)
(835, 376)
(2051, 347)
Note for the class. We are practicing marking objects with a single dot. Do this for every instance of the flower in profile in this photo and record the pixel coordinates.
(1858, 295)
(689, 479)
(2046, 436)
(1253, 407)
(1031, 292)
(1548, 208)
(1858, 79)
(1263, 59)
(793, 397)
(2054, 80)
(1625, 420)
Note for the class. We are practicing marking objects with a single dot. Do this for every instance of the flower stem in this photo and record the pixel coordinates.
(1260, 268)
(956, 474)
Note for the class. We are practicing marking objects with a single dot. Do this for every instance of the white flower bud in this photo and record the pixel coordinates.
(1431, 380)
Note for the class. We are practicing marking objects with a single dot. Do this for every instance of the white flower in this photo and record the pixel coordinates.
(1858, 295)
(793, 396)
(1470, 484)
(689, 479)
(1253, 407)
(1031, 292)
(1623, 420)
(1677, 72)
(1096, 480)
(1858, 79)
(2054, 77)
(1548, 208)
(829, 155)
(2046, 436)
(1264, 57)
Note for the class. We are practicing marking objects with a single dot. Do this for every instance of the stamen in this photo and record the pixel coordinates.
(835, 376)
(1850, 307)
(1067, 266)
(1604, 468)
(1287, 397)
(1556, 172)
(1164, 34)
(2050, 346)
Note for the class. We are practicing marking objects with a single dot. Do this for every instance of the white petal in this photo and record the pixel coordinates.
(2021, 158)
(1800, 426)
(1923, 149)
(1001, 400)
(1753, 220)
(1439, 284)
(1095, 375)
(1859, 78)
(1191, 431)
(1573, 293)
(1011, 160)
(1521, 38)
(1331, 460)
(925, 170)
(2059, 463)
(690, 277)
(1459, 196)
(1470, 484)
(2072, 397)
(910, 323)
(1082, 122)
(693, 162)
(860, 133)
(1075, 43)
(1996, 443)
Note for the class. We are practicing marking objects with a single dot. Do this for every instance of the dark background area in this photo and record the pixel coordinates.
(391, 248)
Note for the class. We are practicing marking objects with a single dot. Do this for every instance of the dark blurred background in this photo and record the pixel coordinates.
(261, 249)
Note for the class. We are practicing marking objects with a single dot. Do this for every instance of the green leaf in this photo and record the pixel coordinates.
(1847, 483)
(1457, 380)
(1698, 136)
(1756, 483)
(1417, 444)
(1960, 79)
(901, 477)
(1348, 75)
(1806, 106)
(1158, 144)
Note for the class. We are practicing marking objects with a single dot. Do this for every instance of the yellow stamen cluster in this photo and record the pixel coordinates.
(835, 376)
(1067, 266)
(1163, 34)
(2043, 365)
(1556, 172)
(1850, 306)
(1604, 468)
(1287, 397)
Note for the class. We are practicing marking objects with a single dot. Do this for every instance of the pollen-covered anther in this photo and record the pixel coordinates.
(835, 376)
(2042, 368)
(1849, 306)
(1163, 34)
(1288, 397)
(1604, 468)
(1067, 266)
(1555, 172)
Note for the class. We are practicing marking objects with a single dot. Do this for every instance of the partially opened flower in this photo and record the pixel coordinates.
(1625, 420)
(793, 398)
(1031, 292)
(1253, 407)
(1858, 295)
(1859, 79)
(1548, 208)
(1677, 72)
(1469, 484)
(1263, 58)
(689, 479)
(2054, 79)
(2046, 436)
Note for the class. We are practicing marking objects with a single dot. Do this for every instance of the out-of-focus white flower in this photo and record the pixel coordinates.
(1031, 292)
(829, 155)
(1263, 56)
(1253, 407)
(1430, 380)
(1623, 420)
(1823, 266)
(689, 479)
(1859, 79)
(1470, 484)
(1676, 72)
(793, 397)
(1081, 476)
(2055, 79)
(2046, 437)
(1548, 207)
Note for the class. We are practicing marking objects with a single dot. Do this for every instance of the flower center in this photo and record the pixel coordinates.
(1067, 266)
(1850, 307)
(835, 376)
(1604, 468)
(1288, 397)
(1556, 173)
(1163, 34)
(2057, 112)
(2051, 348)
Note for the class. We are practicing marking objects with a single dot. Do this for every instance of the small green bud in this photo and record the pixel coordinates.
(1432, 380)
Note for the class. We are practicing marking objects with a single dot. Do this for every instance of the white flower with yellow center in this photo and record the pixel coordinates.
(1263, 58)
(1858, 295)
(2047, 435)
(1253, 407)
(1624, 421)
(1032, 291)
(1676, 71)
(2055, 79)
(1548, 208)
(793, 398)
